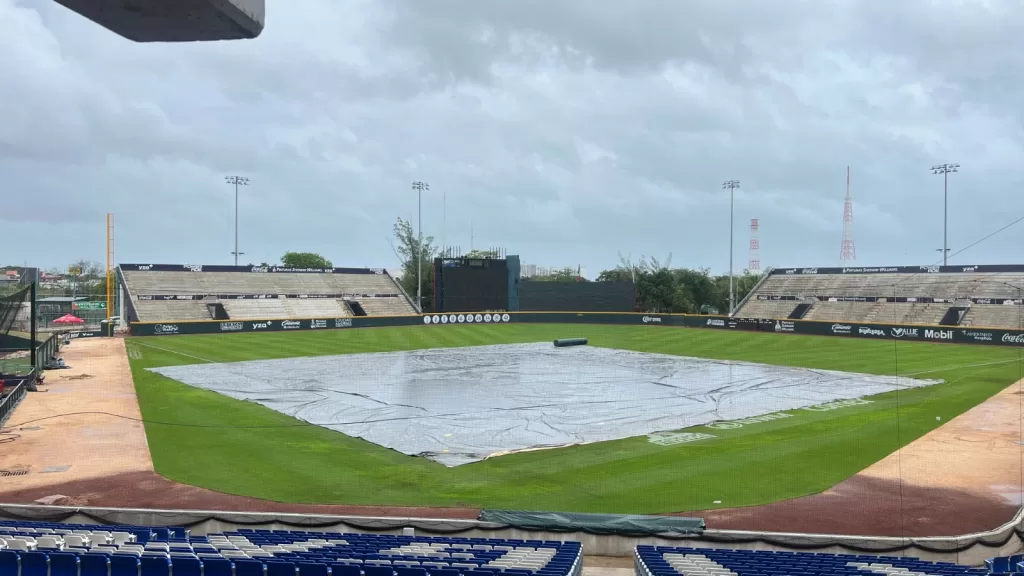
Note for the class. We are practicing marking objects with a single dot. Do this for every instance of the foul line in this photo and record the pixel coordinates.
(960, 367)
(207, 360)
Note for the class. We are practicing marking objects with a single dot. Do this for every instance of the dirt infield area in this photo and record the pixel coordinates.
(965, 476)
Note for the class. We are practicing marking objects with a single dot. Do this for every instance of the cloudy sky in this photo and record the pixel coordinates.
(566, 132)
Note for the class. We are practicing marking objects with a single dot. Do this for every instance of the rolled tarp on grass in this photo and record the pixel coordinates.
(619, 524)
(562, 342)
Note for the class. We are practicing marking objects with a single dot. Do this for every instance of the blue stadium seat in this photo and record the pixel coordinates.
(62, 564)
(217, 567)
(124, 565)
(410, 572)
(345, 570)
(34, 564)
(8, 562)
(309, 569)
(155, 566)
(280, 569)
(247, 568)
(94, 565)
(378, 571)
(185, 567)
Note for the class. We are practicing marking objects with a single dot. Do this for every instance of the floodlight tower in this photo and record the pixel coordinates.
(731, 186)
(945, 169)
(754, 262)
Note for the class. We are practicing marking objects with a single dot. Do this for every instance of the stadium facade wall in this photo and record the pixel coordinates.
(921, 333)
(968, 549)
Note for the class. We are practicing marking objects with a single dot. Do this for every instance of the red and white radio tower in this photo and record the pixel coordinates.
(754, 264)
(848, 251)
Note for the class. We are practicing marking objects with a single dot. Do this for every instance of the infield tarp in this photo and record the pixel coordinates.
(461, 405)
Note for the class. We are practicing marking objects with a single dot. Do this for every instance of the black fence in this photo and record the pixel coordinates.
(877, 331)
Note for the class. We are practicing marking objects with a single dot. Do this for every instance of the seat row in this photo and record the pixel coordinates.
(49, 551)
(680, 561)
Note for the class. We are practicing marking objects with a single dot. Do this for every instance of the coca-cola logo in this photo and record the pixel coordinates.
(1013, 338)
(260, 269)
(809, 271)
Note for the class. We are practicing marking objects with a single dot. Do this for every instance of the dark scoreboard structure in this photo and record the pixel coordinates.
(493, 284)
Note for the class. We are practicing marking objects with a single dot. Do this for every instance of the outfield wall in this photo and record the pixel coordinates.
(878, 331)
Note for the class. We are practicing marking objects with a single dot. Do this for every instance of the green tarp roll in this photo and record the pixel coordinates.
(570, 342)
(620, 524)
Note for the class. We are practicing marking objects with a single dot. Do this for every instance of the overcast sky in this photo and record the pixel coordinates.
(566, 132)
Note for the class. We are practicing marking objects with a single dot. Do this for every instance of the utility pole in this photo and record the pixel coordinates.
(419, 187)
(731, 186)
(945, 169)
(236, 181)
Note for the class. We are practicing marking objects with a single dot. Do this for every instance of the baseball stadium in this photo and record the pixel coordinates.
(273, 420)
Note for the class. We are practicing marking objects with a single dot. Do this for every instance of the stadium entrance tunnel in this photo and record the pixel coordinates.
(175, 20)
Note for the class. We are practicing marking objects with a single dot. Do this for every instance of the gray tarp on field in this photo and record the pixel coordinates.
(460, 405)
(621, 524)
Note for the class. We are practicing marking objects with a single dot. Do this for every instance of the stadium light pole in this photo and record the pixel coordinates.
(236, 181)
(419, 187)
(731, 186)
(945, 169)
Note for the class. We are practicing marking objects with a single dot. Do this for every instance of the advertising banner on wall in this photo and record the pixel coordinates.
(251, 269)
(947, 334)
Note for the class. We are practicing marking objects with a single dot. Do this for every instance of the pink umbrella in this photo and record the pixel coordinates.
(69, 319)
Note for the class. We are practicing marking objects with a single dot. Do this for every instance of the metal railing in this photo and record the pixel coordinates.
(11, 398)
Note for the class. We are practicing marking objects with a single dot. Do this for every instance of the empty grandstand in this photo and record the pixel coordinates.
(157, 292)
(949, 295)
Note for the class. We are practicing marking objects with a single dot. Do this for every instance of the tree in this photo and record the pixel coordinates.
(305, 260)
(407, 248)
(661, 288)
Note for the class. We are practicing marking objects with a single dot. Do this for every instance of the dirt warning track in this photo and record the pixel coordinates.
(83, 424)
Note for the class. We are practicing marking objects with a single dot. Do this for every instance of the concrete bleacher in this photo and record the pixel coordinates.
(377, 293)
(49, 549)
(685, 561)
(958, 287)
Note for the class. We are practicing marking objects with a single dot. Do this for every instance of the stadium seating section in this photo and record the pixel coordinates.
(816, 289)
(664, 561)
(377, 294)
(48, 549)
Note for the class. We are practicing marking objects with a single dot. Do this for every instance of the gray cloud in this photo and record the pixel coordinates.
(567, 132)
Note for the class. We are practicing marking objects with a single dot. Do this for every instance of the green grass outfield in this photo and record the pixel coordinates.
(253, 451)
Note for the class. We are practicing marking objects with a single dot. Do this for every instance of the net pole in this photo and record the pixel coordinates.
(32, 326)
